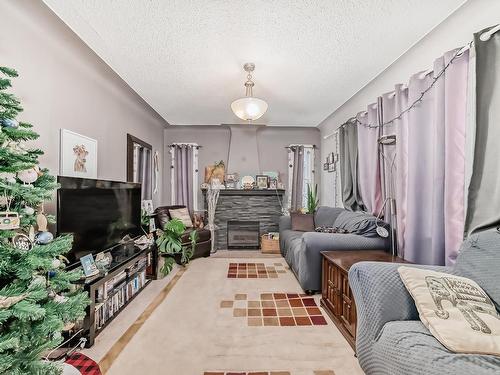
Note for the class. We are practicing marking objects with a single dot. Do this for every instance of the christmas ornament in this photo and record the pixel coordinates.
(10, 123)
(6, 302)
(28, 176)
(41, 220)
(9, 220)
(22, 242)
(38, 280)
(43, 238)
(56, 263)
(9, 177)
(29, 210)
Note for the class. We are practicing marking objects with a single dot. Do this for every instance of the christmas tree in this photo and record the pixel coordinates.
(38, 299)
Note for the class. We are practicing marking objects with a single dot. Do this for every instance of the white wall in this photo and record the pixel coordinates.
(454, 32)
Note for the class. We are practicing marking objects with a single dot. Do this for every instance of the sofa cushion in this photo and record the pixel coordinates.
(408, 348)
(325, 216)
(479, 259)
(302, 222)
(359, 222)
(455, 309)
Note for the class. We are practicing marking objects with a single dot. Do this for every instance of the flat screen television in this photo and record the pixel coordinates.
(97, 213)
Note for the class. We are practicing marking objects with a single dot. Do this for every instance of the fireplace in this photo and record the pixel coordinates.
(243, 234)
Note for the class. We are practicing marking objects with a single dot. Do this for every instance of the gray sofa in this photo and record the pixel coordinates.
(302, 250)
(392, 340)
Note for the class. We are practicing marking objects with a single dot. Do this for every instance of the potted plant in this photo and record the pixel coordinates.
(171, 248)
(312, 198)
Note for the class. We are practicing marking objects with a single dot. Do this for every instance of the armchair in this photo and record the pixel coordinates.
(204, 243)
(392, 340)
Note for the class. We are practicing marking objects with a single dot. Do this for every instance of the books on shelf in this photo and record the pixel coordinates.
(117, 291)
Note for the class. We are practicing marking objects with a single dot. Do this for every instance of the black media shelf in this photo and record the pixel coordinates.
(125, 258)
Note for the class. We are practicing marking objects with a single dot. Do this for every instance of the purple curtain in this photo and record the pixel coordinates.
(368, 161)
(431, 210)
(183, 174)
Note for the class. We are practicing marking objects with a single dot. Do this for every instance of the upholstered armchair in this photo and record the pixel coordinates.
(204, 243)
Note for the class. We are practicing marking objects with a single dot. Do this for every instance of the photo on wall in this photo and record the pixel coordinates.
(78, 155)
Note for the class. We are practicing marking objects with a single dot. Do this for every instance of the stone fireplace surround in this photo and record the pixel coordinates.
(247, 205)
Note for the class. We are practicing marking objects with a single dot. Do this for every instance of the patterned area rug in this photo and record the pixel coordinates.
(210, 324)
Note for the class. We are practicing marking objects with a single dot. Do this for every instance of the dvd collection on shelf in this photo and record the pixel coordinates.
(117, 291)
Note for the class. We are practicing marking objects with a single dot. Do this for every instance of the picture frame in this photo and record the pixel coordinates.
(273, 183)
(88, 265)
(78, 155)
(326, 166)
(262, 181)
(331, 167)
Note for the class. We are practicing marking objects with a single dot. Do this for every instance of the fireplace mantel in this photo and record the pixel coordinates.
(249, 191)
(264, 206)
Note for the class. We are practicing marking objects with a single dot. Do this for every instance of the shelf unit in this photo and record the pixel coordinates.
(138, 268)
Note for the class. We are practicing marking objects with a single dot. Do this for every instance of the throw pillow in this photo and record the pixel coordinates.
(302, 222)
(183, 215)
(457, 312)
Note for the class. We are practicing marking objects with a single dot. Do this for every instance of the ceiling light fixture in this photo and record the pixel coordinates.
(249, 108)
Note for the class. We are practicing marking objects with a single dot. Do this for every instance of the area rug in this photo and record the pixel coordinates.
(212, 324)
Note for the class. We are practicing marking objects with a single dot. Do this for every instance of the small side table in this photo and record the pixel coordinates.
(337, 297)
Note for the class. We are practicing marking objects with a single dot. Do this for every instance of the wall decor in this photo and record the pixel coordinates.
(78, 155)
(262, 181)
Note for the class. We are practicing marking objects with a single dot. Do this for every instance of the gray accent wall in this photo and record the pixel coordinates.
(64, 84)
(215, 141)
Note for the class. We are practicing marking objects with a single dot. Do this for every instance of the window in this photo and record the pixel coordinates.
(300, 174)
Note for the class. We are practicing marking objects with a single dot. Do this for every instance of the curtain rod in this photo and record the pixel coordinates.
(313, 146)
(184, 144)
(483, 37)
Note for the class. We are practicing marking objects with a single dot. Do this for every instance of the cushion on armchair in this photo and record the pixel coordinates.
(455, 309)
(183, 215)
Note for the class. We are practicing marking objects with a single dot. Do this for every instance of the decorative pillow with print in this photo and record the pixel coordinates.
(455, 309)
(183, 215)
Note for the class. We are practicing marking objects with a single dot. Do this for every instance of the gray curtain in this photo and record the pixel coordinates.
(297, 177)
(183, 175)
(144, 172)
(483, 203)
(348, 142)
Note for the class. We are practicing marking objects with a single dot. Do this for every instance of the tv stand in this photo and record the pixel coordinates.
(130, 271)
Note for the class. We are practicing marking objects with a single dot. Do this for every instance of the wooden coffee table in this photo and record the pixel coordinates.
(337, 297)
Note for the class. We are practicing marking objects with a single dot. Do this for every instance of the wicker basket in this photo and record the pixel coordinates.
(269, 246)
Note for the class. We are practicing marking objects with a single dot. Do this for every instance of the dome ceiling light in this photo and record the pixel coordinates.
(249, 108)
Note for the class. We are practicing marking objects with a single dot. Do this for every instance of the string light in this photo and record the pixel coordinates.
(354, 120)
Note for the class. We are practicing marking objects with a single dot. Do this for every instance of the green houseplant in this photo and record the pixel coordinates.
(170, 245)
(312, 198)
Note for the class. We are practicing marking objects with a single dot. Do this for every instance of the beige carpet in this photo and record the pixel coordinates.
(209, 323)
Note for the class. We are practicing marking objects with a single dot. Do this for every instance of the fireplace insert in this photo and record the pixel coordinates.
(243, 235)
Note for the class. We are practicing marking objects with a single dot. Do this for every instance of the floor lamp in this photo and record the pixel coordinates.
(389, 204)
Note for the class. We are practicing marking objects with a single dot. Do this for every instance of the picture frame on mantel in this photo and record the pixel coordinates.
(262, 181)
(77, 155)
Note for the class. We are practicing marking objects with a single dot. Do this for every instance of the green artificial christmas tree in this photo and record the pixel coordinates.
(37, 296)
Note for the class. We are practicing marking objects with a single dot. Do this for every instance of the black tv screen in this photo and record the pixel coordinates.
(97, 213)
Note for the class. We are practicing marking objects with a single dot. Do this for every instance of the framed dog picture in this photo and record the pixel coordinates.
(78, 155)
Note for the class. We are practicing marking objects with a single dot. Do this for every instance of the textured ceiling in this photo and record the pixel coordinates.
(185, 57)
